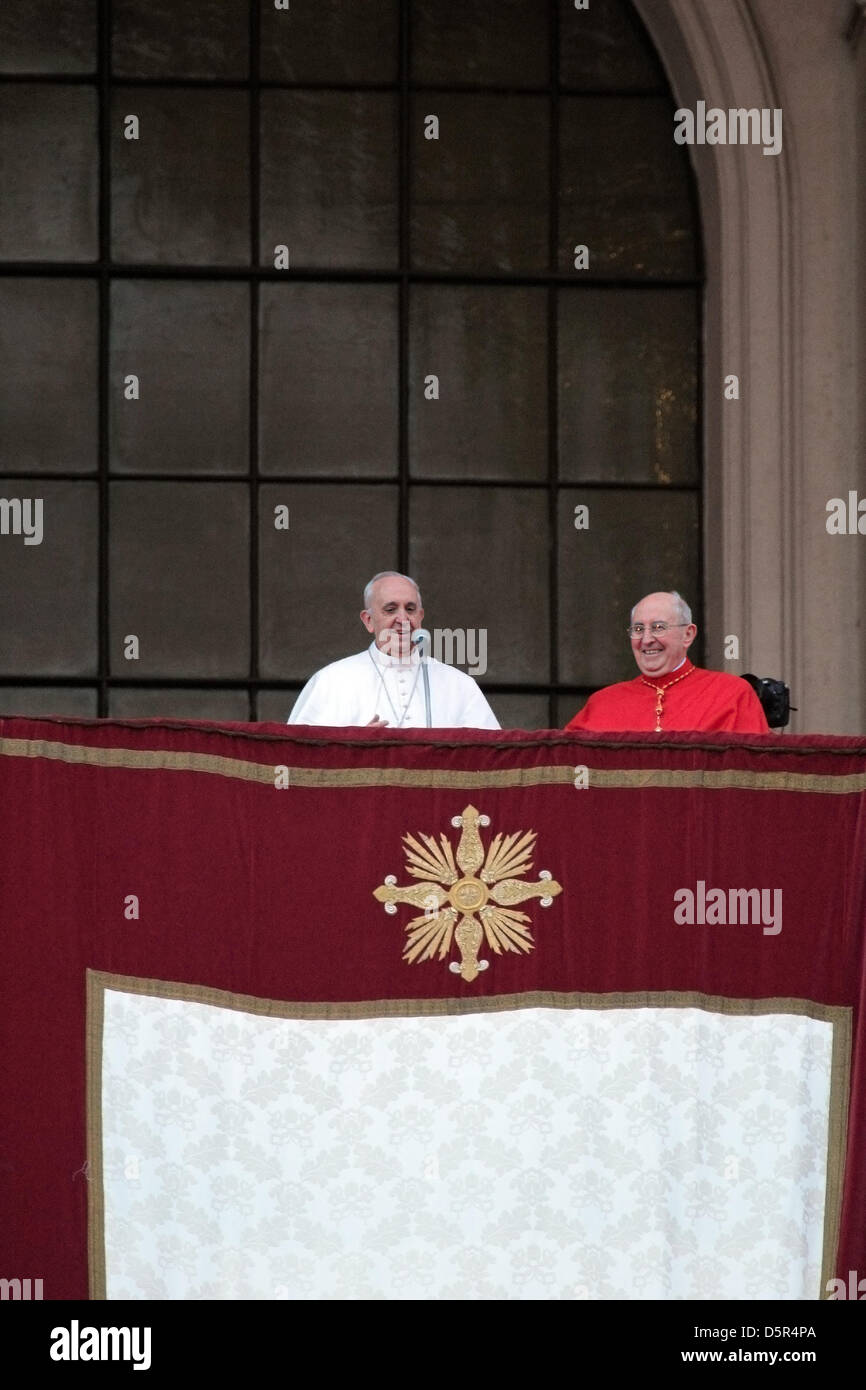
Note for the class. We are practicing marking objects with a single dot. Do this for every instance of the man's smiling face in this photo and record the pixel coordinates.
(394, 614)
(659, 653)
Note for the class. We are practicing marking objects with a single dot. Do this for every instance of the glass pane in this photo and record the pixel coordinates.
(628, 385)
(49, 564)
(180, 192)
(165, 39)
(48, 350)
(41, 38)
(329, 178)
(180, 579)
(488, 349)
(37, 701)
(330, 41)
(328, 383)
(312, 575)
(219, 705)
(458, 42)
(188, 344)
(637, 542)
(520, 711)
(480, 556)
(567, 707)
(50, 160)
(274, 706)
(624, 189)
(606, 47)
(480, 192)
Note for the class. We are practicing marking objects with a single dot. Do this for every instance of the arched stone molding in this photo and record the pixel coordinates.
(781, 249)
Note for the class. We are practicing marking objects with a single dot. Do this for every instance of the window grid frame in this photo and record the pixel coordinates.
(105, 271)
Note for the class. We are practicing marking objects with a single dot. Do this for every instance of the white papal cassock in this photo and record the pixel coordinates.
(355, 689)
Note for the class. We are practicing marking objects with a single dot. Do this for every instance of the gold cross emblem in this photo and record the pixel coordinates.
(454, 887)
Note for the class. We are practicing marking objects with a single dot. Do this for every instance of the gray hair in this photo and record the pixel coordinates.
(684, 613)
(389, 574)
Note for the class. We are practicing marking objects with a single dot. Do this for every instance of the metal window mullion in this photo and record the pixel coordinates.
(553, 366)
(403, 292)
(104, 286)
(254, 116)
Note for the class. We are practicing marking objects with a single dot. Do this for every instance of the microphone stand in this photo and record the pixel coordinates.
(425, 673)
(421, 639)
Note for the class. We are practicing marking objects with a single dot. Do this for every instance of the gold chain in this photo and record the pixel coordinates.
(661, 691)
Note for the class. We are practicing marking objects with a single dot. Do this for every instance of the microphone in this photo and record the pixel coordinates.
(421, 638)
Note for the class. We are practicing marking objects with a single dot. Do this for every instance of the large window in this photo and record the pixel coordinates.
(329, 258)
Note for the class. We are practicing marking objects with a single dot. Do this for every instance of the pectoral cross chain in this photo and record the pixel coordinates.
(661, 691)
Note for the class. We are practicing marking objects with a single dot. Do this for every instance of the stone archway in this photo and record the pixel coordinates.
(781, 242)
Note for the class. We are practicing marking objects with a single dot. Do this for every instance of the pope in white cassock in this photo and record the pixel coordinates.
(385, 685)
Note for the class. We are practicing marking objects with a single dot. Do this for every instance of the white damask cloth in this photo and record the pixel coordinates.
(536, 1153)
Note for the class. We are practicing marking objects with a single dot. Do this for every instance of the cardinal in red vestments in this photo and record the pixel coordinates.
(670, 694)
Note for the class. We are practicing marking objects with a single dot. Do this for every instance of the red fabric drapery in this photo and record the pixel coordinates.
(252, 886)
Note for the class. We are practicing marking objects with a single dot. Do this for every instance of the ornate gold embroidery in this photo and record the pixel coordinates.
(456, 887)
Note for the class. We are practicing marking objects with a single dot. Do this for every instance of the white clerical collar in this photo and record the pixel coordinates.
(682, 663)
(383, 659)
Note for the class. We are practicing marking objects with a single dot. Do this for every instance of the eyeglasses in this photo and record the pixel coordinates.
(638, 629)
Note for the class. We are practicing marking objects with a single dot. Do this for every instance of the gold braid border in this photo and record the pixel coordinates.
(244, 770)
